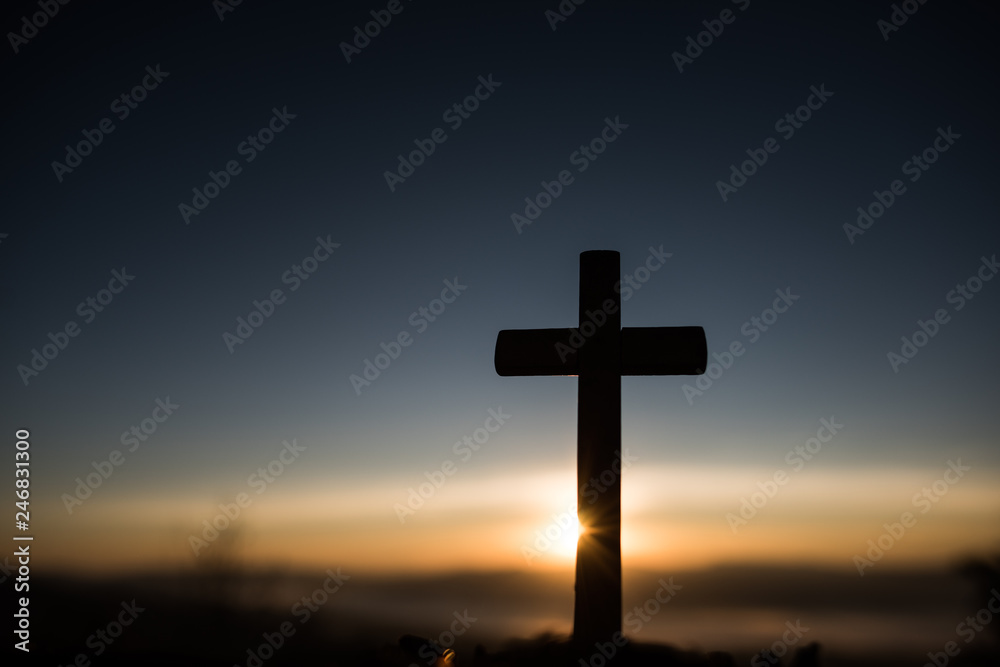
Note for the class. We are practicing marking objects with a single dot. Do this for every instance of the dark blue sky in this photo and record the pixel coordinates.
(655, 185)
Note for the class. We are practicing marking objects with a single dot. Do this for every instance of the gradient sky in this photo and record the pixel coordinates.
(655, 186)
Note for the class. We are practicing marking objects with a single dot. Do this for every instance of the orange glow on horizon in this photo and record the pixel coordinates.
(672, 519)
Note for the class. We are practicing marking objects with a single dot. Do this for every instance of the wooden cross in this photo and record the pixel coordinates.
(599, 352)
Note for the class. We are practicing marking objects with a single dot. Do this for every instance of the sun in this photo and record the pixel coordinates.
(565, 544)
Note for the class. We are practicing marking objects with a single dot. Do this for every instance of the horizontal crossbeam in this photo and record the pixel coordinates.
(644, 351)
(534, 352)
(664, 351)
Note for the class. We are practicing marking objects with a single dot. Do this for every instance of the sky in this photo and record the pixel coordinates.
(258, 166)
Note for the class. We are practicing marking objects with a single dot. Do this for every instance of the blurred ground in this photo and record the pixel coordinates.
(282, 618)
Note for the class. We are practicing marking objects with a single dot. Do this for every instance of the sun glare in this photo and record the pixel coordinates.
(565, 544)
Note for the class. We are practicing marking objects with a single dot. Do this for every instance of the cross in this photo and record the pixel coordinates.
(599, 352)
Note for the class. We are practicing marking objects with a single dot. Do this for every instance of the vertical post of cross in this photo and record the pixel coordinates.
(598, 351)
(597, 615)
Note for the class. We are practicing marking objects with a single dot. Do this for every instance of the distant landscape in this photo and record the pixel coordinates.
(888, 617)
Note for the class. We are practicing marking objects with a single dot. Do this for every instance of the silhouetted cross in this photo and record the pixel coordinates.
(599, 351)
